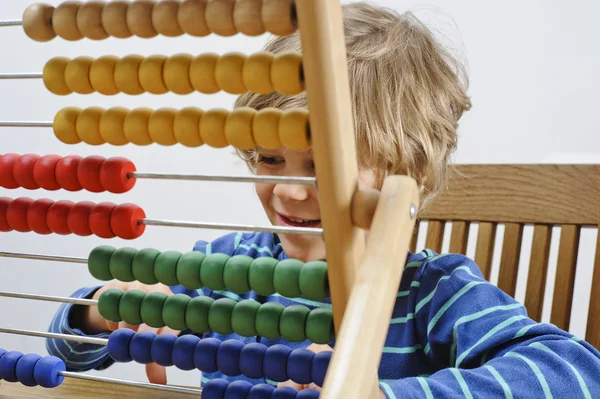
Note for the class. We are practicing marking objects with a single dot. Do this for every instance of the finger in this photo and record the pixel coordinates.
(123, 324)
(111, 325)
(291, 384)
(314, 386)
(168, 330)
(157, 374)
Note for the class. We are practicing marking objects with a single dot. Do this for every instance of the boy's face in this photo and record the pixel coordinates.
(293, 204)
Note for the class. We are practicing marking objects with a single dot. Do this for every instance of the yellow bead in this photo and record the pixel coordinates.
(212, 127)
(102, 75)
(176, 73)
(127, 74)
(64, 20)
(164, 18)
(160, 126)
(135, 126)
(186, 127)
(112, 124)
(54, 75)
(219, 17)
(88, 125)
(238, 128)
(202, 73)
(37, 22)
(191, 18)
(279, 17)
(247, 17)
(151, 74)
(64, 125)
(294, 129)
(257, 73)
(77, 75)
(286, 73)
(114, 19)
(139, 18)
(229, 73)
(89, 20)
(265, 127)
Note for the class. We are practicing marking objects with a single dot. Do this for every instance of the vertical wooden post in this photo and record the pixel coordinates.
(592, 334)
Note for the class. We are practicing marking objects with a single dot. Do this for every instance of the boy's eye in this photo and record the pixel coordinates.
(267, 160)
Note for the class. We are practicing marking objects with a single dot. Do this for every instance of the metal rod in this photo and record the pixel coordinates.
(222, 226)
(168, 388)
(43, 257)
(33, 75)
(66, 337)
(25, 124)
(13, 22)
(245, 179)
(48, 298)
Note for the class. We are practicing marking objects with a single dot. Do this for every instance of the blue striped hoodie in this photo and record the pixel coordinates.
(452, 334)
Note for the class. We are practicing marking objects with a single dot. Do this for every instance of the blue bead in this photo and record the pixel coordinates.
(162, 349)
(275, 362)
(8, 366)
(118, 344)
(25, 367)
(261, 391)
(140, 347)
(214, 389)
(47, 372)
(183, 352)
(308, 394)
(2, 352)
(251, 360)
(228, 357)
(205, 355)
(319, 367)
(237, 390)
(299, 366)
(284, 393)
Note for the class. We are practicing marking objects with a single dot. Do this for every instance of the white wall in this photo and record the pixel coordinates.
(534, 84)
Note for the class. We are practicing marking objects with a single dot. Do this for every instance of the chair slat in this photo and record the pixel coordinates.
(592, 333)
(459, 237)
(484, 251)
(511, 254)
(435, 235)
(538, 270)
(415, 237)
(565, 276)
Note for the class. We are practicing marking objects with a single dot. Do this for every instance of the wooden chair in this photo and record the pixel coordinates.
(518, 195)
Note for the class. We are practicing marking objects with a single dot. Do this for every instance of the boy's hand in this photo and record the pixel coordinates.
(93, 323)
(299, 387)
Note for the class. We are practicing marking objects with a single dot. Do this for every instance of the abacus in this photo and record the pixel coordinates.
(359, 275)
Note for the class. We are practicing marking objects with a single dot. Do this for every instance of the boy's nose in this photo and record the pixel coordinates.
(291, 192)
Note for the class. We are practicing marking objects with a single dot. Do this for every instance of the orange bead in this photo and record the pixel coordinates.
(37, 22)
(191, 18)
(294, 130)
(176, 73)
(229, 73)
(89, 20)
(186, 127)
(112, 123)
(164, 18)
(64, 20)
(161, 125)
(212, 127)
(64, 125)
(135, 126)
(139, 18)
(77, 75)
(88, 125)
(265, 128)
(127, 74)
(102, 75)
(257, 73)
(114, 19)
(287, 74)
(202, 73)
(238, 128)
(125, 221)
(151, 74)
(219, 17)
(54, 76)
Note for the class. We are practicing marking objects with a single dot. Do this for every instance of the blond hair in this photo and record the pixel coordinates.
(407, 95)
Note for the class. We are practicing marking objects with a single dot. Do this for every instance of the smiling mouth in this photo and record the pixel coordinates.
(296, 222)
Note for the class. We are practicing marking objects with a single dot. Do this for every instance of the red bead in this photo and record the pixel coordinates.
(114, 175)
(100, 219)
(16, 214)
(23, 171)
(57, 217)
(88, 173)
(44, 172)
(125, 221)
(36, 216)
(4, 203)
(7, 178)
(66, 173)
(78, 219)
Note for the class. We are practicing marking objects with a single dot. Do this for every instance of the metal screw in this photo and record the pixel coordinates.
(413, 211)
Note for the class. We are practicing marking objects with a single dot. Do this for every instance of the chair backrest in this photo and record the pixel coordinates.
(544, 196)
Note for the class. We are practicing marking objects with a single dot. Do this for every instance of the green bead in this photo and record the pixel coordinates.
(188, 269)
(108, 304)
(212, 270)
(293, 323)
(142, 266)
(174, 311)
(319, 326)
(243, 319)
(99, 261)
(261, 275)
(130, 307)
(165, 267)
(121, 263)
(196, 314)
(235, 275)
(313, 280)
(267, 320)
(286, 277)
(219, 316)
(152, 308)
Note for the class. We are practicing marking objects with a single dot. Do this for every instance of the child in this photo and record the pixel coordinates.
(452, 334)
